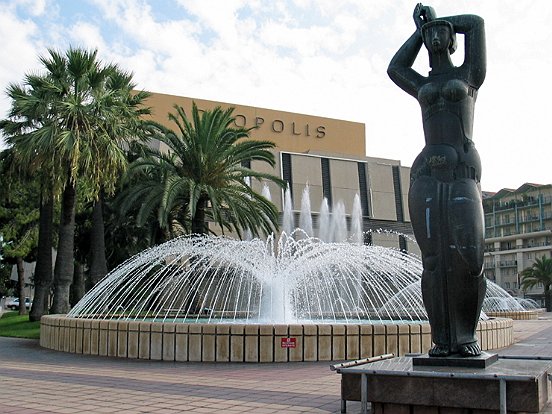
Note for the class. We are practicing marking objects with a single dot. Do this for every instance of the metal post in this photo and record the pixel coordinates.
(502, 392)
(364, 394)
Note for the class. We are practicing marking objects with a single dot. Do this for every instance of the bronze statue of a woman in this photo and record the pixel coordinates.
(445, 196)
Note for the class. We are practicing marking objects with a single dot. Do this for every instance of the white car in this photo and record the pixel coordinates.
(14, 303)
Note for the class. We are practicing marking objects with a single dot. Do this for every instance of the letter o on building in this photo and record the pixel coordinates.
(277, 125)
(240, 121)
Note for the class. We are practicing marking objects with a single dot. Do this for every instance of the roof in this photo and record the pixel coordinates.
(510, 191)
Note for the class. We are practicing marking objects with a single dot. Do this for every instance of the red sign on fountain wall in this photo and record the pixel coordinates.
(288, 342)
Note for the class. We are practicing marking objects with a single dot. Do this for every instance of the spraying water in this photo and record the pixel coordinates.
(305, 218)
(292, 279)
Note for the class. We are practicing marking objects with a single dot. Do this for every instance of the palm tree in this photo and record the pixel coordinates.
(144, 196)
(203, 171)
(28, 113)
(539, 272)
(81, 113)
(18, 219)
(124, 125)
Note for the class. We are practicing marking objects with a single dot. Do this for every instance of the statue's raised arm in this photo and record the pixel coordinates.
(475, 54)
(471, 26)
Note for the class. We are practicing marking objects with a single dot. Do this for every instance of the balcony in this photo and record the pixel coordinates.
(537, 244)
(507, 263)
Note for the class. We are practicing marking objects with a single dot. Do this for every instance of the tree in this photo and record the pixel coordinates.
(78, 113)
(203, 171)
(539, 272)
(27, 114)
(18, 220)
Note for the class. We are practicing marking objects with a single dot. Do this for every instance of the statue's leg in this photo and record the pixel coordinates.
(425, 200)
(467, 280)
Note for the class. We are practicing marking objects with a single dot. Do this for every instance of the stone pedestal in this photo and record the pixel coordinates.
(398, 386)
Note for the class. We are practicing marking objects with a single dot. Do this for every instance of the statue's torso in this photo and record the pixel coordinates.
(447, 110)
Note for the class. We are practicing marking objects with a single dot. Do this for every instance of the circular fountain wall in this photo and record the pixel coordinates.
(298, 299)
(218, 299)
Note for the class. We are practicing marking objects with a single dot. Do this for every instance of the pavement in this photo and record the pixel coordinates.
(34, 380)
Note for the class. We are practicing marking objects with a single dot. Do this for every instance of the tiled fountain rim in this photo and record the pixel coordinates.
(248, 343)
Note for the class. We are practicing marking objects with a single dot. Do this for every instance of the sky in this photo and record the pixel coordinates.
(318, 57)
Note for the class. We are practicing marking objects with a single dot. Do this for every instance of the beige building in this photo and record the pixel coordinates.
(328, 155)
(518, 229)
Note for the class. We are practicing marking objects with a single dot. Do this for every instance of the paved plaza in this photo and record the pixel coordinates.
(34, 380)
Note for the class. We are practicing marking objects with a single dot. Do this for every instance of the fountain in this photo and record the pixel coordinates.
(296, 297)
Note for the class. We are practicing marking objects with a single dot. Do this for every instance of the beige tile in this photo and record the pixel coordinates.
(223, 344)
(169, 336)
(86, 338)
(310, 343)
(366, 340)
(72, 335)
(94, 337)
(113, 327)
(296, 354)
(426, 337)
(78, 337)
(122, 339)
(209, 346)
(392, 339)
(181, 345)
(325, 342)
(380, 347)
(404, 340)
(237, 346)
(338, 342)
(353, 342)
(156, 345)
(266, 348)
(251, 348)
(415, 338)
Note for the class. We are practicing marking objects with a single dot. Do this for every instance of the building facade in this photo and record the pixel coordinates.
(326, 154)
(518, 230)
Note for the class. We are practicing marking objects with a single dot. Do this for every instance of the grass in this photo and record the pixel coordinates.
(18, 326)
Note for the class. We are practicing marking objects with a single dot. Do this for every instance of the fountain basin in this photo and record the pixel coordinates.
(526, 314)
(196, 342)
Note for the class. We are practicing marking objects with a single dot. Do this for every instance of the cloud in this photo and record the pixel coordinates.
(87, 35)
(318, 57)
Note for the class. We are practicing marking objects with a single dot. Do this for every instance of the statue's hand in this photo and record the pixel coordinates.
(423, 14)
(417, 15)
(428, 14)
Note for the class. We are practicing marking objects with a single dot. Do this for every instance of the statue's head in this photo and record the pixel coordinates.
(439, 35)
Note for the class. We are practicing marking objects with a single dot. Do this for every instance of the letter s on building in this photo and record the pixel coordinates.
(321, 132)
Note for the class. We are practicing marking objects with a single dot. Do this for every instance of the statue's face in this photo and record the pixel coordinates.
(437, 38)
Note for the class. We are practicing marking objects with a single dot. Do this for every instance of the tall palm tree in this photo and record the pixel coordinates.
(203, 171)
(29, 112)
(539, 272)
(82, 111)
(124, 125)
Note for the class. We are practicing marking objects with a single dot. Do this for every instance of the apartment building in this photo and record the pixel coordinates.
(518, 229)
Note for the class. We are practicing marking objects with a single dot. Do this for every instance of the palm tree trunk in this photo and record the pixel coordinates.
(43, 269)
(547, 298)
(77, 288)
(198, 221)
(63, 272)
(21, 282)
(98, 262)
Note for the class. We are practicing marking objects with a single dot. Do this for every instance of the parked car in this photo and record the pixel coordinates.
(14, 303)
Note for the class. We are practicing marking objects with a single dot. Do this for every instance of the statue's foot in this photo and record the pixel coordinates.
(439, 351)
(470, 350)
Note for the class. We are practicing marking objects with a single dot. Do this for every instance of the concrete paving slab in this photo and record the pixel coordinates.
(34, 380)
